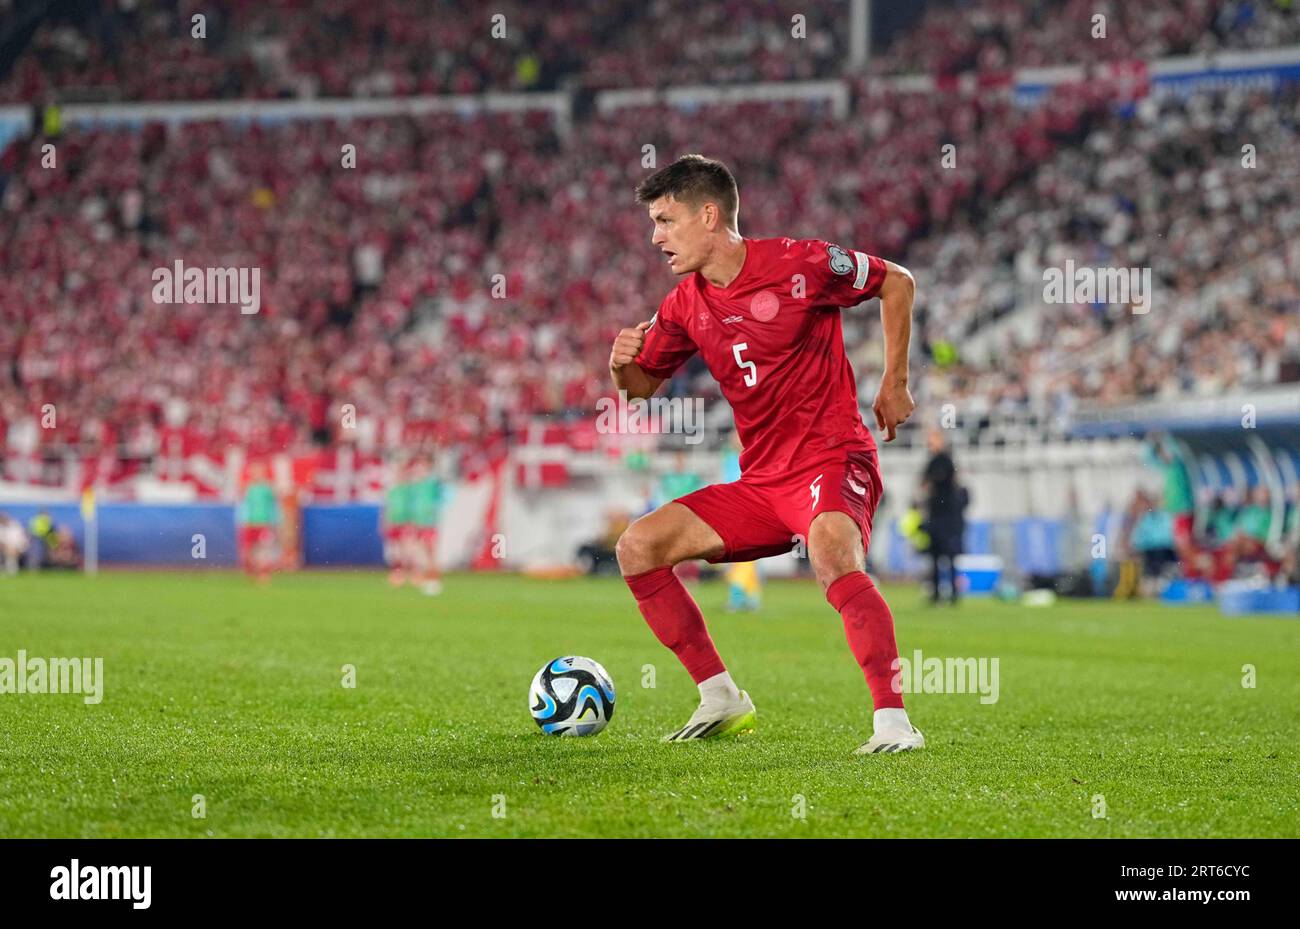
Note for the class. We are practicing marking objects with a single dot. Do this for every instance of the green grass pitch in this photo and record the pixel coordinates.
(215, 686)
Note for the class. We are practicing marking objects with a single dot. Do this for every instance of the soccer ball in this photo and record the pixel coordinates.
(571, 696)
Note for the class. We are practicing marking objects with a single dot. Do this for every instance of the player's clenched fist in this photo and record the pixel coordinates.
(627, 346)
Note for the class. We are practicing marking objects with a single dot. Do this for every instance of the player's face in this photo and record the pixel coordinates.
(680, 233)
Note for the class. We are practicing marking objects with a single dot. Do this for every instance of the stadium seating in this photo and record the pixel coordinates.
(378, 288)
(955, 36)
(346, 48)
(148, 50)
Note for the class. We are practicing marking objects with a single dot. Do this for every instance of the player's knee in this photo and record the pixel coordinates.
(639, 549)
(829, 574)
(831, 563)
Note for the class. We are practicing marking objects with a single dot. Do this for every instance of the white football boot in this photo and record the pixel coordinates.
(717, 718)
(888, 741)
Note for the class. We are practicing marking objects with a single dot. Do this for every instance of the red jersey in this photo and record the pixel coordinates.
(773, 342)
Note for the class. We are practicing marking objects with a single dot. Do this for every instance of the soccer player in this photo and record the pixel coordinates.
(428, 495)
(259, 515)
(1180, 500)
(764, 316)
(396, 519)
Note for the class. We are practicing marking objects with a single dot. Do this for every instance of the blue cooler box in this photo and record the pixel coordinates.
(978, 575)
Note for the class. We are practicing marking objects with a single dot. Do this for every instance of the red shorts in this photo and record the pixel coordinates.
(254, 535)
(393, 533)
(759, 520)
(1182, 529)
(427, 534)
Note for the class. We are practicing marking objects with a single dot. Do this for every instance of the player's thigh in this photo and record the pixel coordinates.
(839, 531)
(722, 522)
(745, 517)
(667, 536)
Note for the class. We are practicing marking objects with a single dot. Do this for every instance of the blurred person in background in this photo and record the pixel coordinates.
(13, 543)
(1179, 501)
(1151, 539)
(395, 521)
(428, 497)
(40, 531)
(1247, 539)
(259, 517)
(945, 516)
(1289, 560)
(678, 481)
(63, 549)
(1219, 521)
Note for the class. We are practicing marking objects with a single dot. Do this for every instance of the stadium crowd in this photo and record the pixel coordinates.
(348, 257)
(425, 296)
(149, 49)
(956, 36)
(1166, 185)
(375, 277)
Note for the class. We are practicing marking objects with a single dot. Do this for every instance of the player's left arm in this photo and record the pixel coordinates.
(845, 278)
(894, 403)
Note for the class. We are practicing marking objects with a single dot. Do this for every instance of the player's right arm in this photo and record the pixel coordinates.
(649, 353)
(627, 374)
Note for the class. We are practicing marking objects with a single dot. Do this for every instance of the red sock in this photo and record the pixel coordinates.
(870, 629)
(676, 620)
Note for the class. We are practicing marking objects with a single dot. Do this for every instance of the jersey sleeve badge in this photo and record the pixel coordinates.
(841, 263)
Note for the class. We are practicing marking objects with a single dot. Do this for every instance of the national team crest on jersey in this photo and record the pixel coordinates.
(841, 263)
(764, 306)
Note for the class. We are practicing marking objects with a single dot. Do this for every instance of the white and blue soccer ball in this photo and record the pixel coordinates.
(571, 696)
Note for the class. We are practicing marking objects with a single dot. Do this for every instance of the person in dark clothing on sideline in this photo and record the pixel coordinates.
(945, 514)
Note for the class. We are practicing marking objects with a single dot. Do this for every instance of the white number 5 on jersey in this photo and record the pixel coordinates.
(750, 369)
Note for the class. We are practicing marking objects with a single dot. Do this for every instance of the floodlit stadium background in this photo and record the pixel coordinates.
(438, 200)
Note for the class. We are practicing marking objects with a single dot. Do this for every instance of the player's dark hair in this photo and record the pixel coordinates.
(694, 179)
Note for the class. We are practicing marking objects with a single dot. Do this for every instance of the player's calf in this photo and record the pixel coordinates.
(647, 552)
(839, 560)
